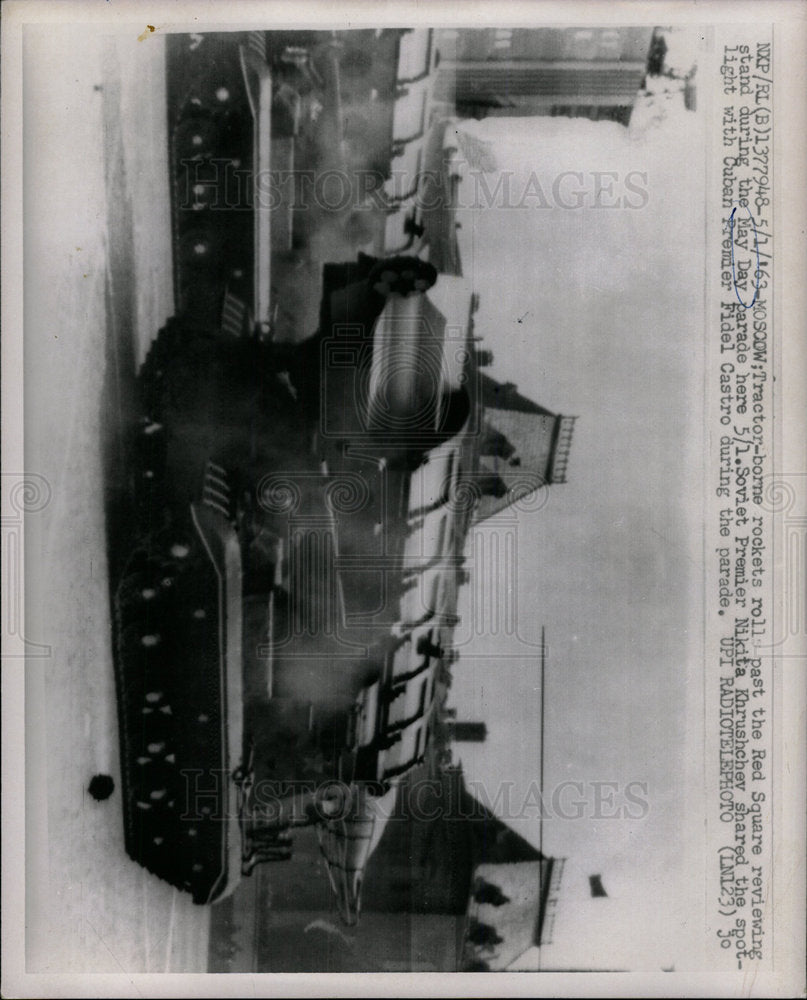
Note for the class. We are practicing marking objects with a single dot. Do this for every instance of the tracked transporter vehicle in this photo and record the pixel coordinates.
(294, 540)
(271, 623)
(311, 442)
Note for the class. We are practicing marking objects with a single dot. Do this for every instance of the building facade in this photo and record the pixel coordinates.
(579, 72)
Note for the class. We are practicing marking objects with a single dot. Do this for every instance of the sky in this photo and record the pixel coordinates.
(594, 312)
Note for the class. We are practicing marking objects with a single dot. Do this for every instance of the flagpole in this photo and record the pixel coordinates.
(541, 781)
(542, 722)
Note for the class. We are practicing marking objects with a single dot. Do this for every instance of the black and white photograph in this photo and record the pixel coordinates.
(397, 556)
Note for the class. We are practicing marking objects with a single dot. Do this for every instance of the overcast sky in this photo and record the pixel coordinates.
(596, 312)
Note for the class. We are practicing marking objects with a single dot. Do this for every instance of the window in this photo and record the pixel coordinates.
(435, 593)
(441, 535)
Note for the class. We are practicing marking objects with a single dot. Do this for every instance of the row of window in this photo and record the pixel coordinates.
(428, 608)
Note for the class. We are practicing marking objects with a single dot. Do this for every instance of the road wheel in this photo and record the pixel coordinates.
(200, 248)
(195, 138)
(141, 596)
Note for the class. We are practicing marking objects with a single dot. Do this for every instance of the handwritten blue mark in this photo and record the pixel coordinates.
(757, 274)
